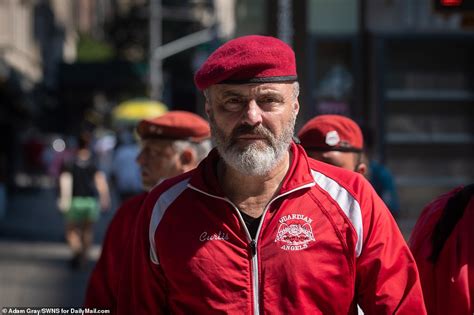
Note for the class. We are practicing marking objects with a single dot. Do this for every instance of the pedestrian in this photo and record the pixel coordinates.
(336, 140)
(379, 175)
(441, 243)
(258, 227)
(125, 173)
(83, 192)
(171, 144)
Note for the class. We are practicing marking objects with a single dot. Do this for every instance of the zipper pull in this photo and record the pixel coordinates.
(253, 247)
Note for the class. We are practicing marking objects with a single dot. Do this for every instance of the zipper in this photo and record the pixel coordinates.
(255, 278)
(253, 242)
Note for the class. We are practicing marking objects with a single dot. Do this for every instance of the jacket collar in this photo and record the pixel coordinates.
(299, 173)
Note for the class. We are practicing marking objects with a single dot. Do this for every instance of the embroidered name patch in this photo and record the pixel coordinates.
(294, 232)
(219, 236)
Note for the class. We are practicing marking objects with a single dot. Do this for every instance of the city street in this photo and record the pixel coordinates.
(34, 258)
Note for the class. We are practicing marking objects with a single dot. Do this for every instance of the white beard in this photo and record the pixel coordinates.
(253, 160)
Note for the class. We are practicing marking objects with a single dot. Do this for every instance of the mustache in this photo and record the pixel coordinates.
(245, 130)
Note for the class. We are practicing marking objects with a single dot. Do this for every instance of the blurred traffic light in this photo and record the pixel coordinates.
(454, 5)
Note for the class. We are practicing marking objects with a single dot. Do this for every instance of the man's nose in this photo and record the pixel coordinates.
(252, 114)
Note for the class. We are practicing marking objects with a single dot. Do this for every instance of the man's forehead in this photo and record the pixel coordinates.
(156, 143)
(256, 88)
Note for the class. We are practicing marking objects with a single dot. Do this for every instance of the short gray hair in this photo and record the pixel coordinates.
(201, 148)
(296, 89)
(206, 94)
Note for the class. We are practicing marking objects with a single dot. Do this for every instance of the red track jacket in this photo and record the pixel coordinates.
(448, 285)
(326, 243)
(104, 279)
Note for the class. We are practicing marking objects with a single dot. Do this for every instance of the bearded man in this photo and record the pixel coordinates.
(258, 227)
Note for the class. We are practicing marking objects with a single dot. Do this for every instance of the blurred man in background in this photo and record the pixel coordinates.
(125, 173)
(338, 140)
(379, 174)
(335, 140)
(171, 144)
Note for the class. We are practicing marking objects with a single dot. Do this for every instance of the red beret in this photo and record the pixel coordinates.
(331, 133)
(175, 125)
(248, 59)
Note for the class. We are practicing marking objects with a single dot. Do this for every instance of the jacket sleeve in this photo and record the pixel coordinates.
(104, 280)
(387, 277)
(100, 292)
(142, 284)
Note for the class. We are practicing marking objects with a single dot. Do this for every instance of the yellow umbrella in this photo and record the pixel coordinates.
(137, 109)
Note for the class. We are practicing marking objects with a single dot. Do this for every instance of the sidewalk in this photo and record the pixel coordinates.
(33, 215)
(34, 258)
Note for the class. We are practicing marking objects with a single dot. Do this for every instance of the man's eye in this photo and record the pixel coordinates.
(233, 104)
(268, 100)
(233, 100)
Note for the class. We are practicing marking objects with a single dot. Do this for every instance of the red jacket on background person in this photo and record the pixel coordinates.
(326, 243)
(448, 279)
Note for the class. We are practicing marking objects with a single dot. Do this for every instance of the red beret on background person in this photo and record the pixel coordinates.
(336, 140)
(175, 125)
(171, 144)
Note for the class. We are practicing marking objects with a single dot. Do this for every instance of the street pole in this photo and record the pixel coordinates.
(155, 69)
(184, 43)
(158, 51)
(285, 30)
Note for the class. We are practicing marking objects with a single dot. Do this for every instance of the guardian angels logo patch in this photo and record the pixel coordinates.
(294, 232)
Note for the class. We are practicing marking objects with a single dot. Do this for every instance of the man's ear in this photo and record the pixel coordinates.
(188, 159)
(296, 107)
(362, 169)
